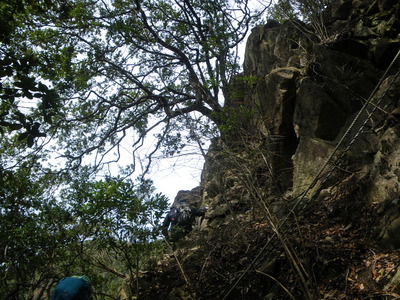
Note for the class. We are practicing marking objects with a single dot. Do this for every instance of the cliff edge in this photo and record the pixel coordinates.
(304, 184)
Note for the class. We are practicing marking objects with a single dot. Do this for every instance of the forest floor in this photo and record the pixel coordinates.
(325, 252)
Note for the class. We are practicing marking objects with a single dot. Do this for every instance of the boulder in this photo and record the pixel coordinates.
(269, 48)
(193, 197)
(310, 156)
(317, 114)
(385, 172)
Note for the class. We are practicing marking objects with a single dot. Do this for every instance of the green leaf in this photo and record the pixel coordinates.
(42, 87)
(15, 126)
(30, 140)
(21, 117)
(23, 136)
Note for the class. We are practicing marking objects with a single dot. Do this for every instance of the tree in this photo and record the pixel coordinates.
(307, 10)
(118, 223)
(34, 232)
(77, 78)
(105, 229)
(17, 82)
(121, 65)
(310, 11)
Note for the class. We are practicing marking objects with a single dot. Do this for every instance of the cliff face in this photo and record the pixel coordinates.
(304, 185)
(309, 88)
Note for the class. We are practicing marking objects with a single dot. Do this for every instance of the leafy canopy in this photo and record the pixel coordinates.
(17, 82)
(77, 78)
(100, 228)
(306, 10)
(115, 66)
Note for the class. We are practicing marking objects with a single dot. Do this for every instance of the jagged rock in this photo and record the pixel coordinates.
(305, 93)
(311, 154)
(193, 197)
(220, 211)
(352, 47)
(316, 113)
(384, 50)
(272, 48)
(319, 95)
(275, 97)
(362, 31)
(386, 173)
(345, 9)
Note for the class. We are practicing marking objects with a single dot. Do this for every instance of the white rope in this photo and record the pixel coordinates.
(317, 177)
(350, 128)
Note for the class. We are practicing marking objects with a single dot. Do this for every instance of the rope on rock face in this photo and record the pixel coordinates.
(318, 176)
(336, 163)
(349, 129)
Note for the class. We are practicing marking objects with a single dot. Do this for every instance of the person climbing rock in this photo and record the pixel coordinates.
(180, 219)
(72, 288)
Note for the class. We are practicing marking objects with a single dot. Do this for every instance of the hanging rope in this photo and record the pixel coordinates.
(350, 128)
(319, 173)
(337, 162)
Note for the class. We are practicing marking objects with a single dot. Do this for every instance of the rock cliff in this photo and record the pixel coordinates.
(304, 184)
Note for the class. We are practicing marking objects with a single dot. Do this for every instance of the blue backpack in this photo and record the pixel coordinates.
(72, 288)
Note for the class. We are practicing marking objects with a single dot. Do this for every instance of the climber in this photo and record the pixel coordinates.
(181, 217)
(71, 288)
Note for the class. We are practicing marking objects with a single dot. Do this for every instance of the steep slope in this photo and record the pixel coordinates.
(304, 184)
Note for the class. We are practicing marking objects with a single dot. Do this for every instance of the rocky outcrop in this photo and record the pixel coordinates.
(307, 93)
(192, 197)
(305, 178)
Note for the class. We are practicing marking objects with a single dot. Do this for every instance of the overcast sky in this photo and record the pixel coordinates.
(171, 175)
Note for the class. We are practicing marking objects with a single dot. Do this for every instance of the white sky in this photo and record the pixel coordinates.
(175, 174)
(169, 174)
(184, 173)
(172, 175)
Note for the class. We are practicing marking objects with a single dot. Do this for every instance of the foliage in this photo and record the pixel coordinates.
(310, 11)
(118, 224)
(17, 80)
(77, 78)
(117, 66)
(306, 10)
(114, 209)
(92, 227)
(33, 232)
(236, 120)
